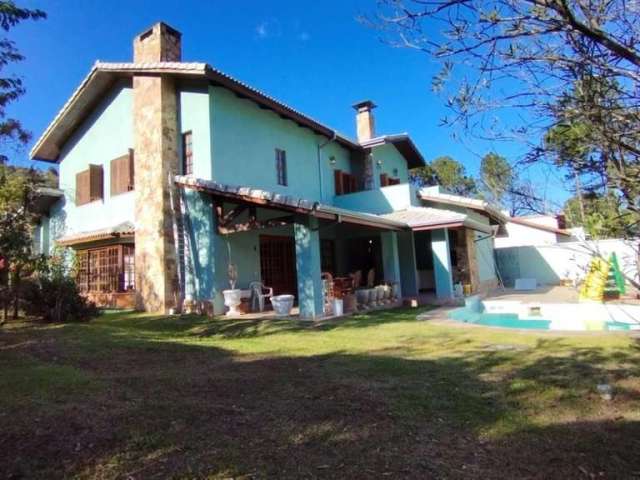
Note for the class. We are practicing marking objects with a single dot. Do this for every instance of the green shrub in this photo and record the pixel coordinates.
(56, 299)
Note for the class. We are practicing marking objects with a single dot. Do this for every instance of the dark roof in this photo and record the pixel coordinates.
(403, 143)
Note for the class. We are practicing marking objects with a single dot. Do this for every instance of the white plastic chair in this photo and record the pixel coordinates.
(258, 294)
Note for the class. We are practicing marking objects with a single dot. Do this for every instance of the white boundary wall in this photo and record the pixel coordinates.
(549, 264)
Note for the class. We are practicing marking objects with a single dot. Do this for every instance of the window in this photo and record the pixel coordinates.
(89, 185)
(345, 182)
(187, 153)
(122, 174)
(281, 166)
(386, 180)
(106, 270)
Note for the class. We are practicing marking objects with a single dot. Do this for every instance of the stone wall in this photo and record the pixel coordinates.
(156, 161)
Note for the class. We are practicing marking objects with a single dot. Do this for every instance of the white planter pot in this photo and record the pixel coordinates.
(338, 307)
(362, 296)
(282, 304)
(232, 299)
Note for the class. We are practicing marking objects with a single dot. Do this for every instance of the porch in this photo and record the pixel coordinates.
(286, 244)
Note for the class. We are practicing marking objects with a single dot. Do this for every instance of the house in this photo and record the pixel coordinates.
(537, 230)
(170, 171)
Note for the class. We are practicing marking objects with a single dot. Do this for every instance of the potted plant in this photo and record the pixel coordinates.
(233, 296)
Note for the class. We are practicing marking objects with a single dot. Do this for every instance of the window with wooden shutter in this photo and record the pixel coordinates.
(339, 181)
(281, 166)
(82, 188)
(89, 185)
(122, 174)
(384, 179)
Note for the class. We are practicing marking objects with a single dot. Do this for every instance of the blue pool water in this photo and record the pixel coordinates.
(511, 320)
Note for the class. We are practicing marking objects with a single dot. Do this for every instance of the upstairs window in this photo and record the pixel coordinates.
(386, 180)
(89, 185)
(281, 166)
(345, 182)
(122, 174)
(187, 153)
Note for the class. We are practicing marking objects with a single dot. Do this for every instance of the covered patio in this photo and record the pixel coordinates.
(293, 246)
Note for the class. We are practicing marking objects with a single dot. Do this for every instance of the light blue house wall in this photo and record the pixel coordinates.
(379, 200)
(106, 134)
(244, 138)
(387, 159)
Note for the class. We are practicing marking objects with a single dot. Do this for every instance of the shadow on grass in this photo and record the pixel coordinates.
(166, 409)
(240, 327)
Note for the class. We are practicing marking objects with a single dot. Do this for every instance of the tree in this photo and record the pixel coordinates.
(600, 216)
(536, 58)
(12, 132)
(448, 173)
(497, 177)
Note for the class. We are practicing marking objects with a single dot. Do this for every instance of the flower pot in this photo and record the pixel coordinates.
(282, 304)
(338, 305)
(350, 302)
(362, 296)
(232, 299)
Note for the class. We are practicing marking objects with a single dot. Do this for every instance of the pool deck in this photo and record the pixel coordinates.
(552, 294)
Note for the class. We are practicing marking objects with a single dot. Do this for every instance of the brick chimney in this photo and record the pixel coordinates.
(156, 134)
(365, 124)
(160, 43)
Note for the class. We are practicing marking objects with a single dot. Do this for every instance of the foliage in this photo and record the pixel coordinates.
(603, 217)
(18, 190)
(496, 176)
(553, 62)
(448, 173)
(53, 296)
(11, 87)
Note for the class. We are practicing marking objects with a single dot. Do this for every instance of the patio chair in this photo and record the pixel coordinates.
(328, 291)
(259, 292)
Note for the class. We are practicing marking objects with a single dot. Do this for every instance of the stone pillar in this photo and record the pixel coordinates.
(390, 259)
(156, 161)
(408, 263)
(442, 263)
(308, 268)
(155, 125)
(472, 259)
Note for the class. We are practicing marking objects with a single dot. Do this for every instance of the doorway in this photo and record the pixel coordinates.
(278, 264)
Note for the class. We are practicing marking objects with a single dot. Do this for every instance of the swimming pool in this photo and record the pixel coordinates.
(548, 316)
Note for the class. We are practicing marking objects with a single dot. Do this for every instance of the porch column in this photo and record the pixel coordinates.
(408, 263)
(308, 269)
(390, 260)
(442, 263)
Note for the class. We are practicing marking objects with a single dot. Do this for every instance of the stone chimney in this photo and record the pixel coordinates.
(160, 43)
(156, 135)
(365, 124)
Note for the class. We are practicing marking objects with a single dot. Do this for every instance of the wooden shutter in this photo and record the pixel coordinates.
(95, 182)
(122, 174)
(338, 178)
(353, 183)
(82, 188)
(384, 179)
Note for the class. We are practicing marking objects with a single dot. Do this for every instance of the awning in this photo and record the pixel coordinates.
(123, 230)
(266, 199)
(425, 218)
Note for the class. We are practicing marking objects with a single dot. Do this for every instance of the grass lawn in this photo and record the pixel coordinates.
(380, 395)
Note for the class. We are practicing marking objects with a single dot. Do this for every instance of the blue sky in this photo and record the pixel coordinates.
(314, 56)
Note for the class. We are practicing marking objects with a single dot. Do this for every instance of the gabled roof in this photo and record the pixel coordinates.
(431, 194)
(103, 75)
(403, 143)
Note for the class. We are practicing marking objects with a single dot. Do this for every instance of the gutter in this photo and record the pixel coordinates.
(319, 155)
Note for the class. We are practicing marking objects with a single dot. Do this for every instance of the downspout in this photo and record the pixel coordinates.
(320, 147)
